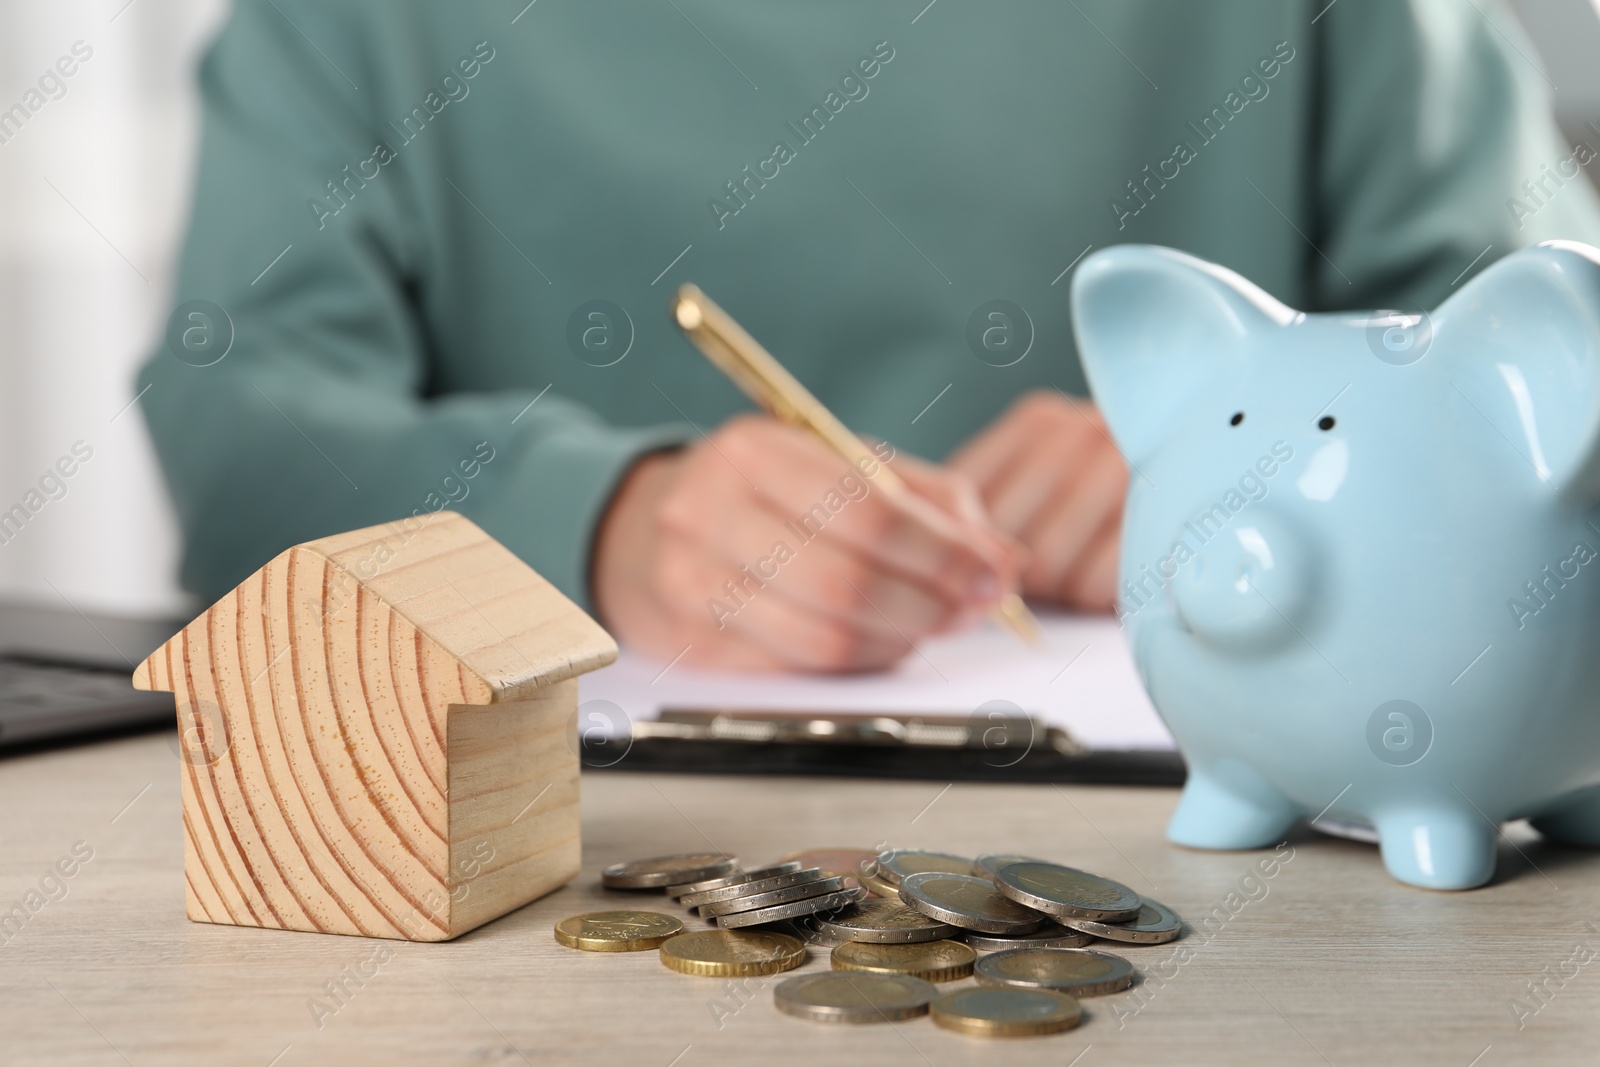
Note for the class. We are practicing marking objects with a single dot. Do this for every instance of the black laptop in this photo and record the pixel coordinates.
(64, 675)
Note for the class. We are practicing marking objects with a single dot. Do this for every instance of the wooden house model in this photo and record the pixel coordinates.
(379, 735)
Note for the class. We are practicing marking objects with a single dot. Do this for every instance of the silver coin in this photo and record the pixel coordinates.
(754, 888)
(884, 922)
(737, 877)
(1079, 972)
(985, 866)
(968, 902)
(658, 872)
(809, 906)
(1050, 935)
(894, 864)
(807, 929)
(1066, 892)
(1155, 925)
(815, 887)
(854, 997)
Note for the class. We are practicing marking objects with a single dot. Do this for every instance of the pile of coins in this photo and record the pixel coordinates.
(1018, 925)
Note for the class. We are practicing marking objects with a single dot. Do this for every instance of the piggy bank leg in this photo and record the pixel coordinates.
(1230, 808)
(1439, 848)
(1575, 821)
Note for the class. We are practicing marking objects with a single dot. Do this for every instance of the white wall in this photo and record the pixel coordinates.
(82, 296)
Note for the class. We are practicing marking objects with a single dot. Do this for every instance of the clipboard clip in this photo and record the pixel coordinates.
(994, 732)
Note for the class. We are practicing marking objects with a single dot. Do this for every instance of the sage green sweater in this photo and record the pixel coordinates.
(442, 236)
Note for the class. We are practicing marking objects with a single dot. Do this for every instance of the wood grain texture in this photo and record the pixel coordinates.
(378, 736)
(1329, 961)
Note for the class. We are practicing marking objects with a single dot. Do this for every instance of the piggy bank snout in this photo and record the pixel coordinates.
(1249, 587)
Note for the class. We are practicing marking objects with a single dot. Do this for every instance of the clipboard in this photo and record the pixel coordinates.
(976, 706)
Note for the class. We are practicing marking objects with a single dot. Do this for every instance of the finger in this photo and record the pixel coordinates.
(902, 532)
(1039, 474)
(833, 581)
(808, 641)
(661, 630)
(703, 647)
(985, 455)
(755, 553)
(697, 590)
(754, 548)
(732, 653)
(957, 495)
(1092, 583)
(1062, 531)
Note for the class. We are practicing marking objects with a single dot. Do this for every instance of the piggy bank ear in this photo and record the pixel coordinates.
(1521, 341)
(1154, 326)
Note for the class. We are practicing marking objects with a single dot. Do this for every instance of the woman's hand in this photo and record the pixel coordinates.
(760, 549)
(1051, 478)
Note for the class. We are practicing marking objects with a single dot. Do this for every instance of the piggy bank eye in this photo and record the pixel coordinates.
(1238, 417)
(1325, 423)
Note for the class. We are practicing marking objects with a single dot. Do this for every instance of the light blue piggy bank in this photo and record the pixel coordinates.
(1359, 571)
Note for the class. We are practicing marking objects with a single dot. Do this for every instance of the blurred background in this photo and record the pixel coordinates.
(94, 185)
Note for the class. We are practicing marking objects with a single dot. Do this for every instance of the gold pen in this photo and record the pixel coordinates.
(754, 370)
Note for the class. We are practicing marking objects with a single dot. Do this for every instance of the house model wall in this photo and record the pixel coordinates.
(380, 735)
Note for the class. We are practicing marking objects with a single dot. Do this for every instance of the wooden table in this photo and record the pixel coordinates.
(1326, 962)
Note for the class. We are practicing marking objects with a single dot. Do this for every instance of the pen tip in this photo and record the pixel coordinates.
(1021, 620)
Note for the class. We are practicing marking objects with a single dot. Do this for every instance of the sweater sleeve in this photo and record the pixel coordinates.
(1434, 115)
(320, 415)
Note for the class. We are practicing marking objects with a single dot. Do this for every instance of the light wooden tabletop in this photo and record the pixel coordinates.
(1327, 961)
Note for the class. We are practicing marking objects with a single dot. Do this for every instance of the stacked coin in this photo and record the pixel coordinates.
(1017, 923)
(837, 862)
(771, 889)
(715, 887)
(734, 877)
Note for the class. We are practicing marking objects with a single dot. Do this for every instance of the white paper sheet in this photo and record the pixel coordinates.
(1081, 678)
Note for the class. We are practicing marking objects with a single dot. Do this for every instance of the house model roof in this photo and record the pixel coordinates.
(508, 630)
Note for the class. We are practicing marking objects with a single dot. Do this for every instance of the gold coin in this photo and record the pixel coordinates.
(990, 1011)
(732, 953)
(617, 931)
(879, 886)
(935, 961)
